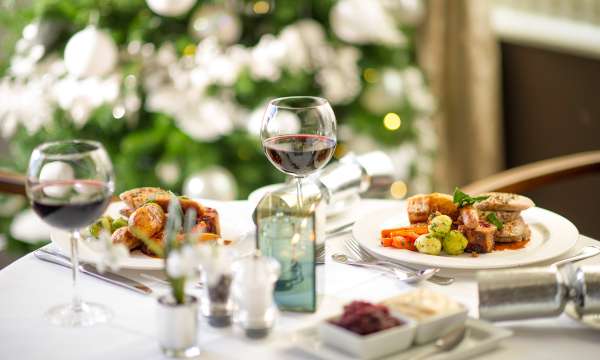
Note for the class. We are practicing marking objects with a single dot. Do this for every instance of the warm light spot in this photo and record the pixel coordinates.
(340, 150)
(295, 239)
(189, 50)
(370, 75)
(261, 7)
(398, 189)
(392, 121)
(118, 112)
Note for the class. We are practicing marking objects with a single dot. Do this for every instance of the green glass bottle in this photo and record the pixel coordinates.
(291, 233)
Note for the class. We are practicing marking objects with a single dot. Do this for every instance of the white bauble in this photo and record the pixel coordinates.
(377, 100)
(215, 183)
(168, 172)
(90, 52)
(363, 22)
(56, 171)
(215, 20)
(386, 95)
(170, 7)
(393, 83)
(407, 12)
(29, 228)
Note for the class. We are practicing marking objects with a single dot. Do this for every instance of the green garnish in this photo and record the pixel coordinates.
(118, 223)
(462, 199)
(491, 217)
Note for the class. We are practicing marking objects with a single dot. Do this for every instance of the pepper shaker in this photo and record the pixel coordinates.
(216, 303)
(253, 286)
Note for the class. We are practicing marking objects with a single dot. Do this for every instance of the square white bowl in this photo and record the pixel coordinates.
(370, 346)
(434, 327)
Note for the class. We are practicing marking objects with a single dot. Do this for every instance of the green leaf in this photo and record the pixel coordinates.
(178, 289)
(462, 199)
(174, 223)
(491, 217)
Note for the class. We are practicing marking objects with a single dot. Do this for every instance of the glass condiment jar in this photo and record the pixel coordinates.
(253, 286)
(216, 275)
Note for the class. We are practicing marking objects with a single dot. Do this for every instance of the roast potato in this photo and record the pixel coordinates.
(147, 220)
(123, 236)
(136, 198)
(420, 206)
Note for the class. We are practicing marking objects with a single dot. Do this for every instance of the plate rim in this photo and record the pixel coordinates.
(573, 236)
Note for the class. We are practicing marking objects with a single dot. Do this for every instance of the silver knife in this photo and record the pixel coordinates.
(91, 270)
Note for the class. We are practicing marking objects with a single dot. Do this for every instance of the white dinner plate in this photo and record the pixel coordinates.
(551, 236)
(236, 225)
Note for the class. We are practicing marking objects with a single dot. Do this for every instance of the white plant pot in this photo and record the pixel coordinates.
(177, 326)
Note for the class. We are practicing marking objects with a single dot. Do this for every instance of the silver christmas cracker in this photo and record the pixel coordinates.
(521, 293)
(585, 290)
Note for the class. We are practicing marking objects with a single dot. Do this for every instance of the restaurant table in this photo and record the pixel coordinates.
(28, 287)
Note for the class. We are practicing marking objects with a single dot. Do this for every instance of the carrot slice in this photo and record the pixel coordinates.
(387, 242)
(412, 236)
(419, 229)
(400, 242)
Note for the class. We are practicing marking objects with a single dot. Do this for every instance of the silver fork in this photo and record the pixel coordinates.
(362, 255)
(320, 252)
(320, 255)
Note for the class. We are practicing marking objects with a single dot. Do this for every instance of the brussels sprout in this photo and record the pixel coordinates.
(103, 223)
(454, 243)
(440, 225)
(428, 244)
(118, 223)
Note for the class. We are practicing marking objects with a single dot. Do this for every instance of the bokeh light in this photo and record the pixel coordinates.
(261, 7)
(392, 121)
(370, 75)
(189, 50)
(398, 189)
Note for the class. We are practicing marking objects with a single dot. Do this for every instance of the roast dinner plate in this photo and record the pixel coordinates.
(551, 236)
(236, 225)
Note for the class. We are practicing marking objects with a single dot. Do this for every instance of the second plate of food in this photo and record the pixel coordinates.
(236, 224)
(551, 236)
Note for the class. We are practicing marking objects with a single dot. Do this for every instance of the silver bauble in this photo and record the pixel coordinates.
(170, 7)
(217, 21)
(215, 183)
(90, 52)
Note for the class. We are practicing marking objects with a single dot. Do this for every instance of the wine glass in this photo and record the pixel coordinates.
(299, 136)
(70, 184)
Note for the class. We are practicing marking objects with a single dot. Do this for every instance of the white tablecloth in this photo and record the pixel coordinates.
(29, 287)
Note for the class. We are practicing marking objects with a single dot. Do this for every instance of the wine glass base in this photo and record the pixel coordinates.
(89, 314)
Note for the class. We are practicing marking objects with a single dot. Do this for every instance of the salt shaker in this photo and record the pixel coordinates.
(521, 293)
(252, 290)
(216, 303)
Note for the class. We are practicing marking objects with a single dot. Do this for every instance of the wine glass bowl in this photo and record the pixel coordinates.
(70, 184)
(299, 134)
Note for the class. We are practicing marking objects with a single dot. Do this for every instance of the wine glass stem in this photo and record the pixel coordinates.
(76, 302)
(299, 193)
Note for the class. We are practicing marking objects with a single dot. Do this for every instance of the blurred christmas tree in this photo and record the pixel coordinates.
(175, 89)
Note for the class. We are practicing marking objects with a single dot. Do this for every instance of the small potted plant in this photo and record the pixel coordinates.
(177, 313)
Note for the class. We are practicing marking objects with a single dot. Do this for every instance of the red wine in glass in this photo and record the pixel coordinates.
(299, 154)
(83, 203)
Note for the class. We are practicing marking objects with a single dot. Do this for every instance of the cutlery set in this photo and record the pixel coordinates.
(90, 269)
(360, 258)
